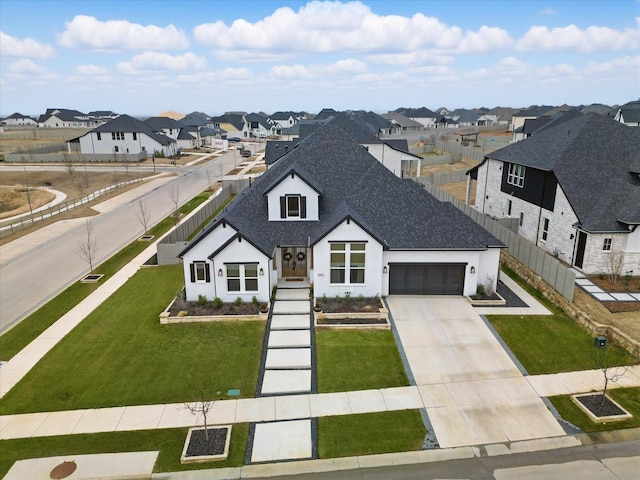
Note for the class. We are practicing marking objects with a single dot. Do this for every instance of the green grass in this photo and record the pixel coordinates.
(629, 398)
(553, 343)
(358, 360)
(370, 433)
(168, 442)
(28, 329)
(121, 354)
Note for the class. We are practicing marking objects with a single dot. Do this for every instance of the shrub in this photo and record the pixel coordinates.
(324, 298)
(217, 302)
(202, 299)
(480, 289)
(237, 301)
(255, 301)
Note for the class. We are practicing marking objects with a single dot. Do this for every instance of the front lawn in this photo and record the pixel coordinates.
(553, 343)
(168, 442)
(370, 433)
(629, 398)
(121, 354)
(358, 360)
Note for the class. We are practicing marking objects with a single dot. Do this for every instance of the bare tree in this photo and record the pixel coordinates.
(203, 405)
(609, 372)
(174, 194)
(614, 264)
(142, 212)
(88, 245)
(69, 165)
(209, 179)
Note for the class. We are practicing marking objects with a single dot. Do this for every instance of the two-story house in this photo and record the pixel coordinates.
(575, 189)
(329, 214)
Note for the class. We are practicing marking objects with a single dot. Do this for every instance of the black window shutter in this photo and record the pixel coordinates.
(283, 207)
(207, 275)
(303, 207)
(192, 267)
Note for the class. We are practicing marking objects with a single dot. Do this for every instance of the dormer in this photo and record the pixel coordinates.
(293, 198)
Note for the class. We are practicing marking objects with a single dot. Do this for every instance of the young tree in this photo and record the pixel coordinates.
(614, 264)
(208, 179)
(88, 245)
(609, 372)
(174, 194)
(142, 212)
(203, 405)
(69, 165)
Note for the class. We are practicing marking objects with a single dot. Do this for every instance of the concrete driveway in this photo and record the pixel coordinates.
(473, 392)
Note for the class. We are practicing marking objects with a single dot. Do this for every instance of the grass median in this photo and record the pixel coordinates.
(121, 354)
(14, 340)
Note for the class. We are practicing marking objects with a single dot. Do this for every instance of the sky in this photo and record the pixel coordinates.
(146, 57)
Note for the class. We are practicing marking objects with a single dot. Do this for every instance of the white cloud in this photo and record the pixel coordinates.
(26, 67)
(85, 32)
(26, 48)
(157, 62)
(573, 38)
(547, 11)
(325, 27)
(347, 67)
(91, 70)
(617, 65)
(216, 76)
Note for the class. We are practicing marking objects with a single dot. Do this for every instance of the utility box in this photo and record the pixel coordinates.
(601, 341)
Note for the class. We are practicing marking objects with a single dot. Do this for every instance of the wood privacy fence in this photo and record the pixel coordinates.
(551, 270)
(171, 245)
(475, 155)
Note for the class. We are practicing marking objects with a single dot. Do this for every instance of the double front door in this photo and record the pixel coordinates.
(294, 261)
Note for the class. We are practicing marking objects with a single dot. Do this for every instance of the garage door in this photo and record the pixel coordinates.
(426, 278)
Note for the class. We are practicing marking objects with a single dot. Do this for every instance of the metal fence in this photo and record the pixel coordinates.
(62, 207)
(171, 245)
(551, 270)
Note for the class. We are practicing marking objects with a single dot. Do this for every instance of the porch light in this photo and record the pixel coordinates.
(384, 269)
(472, 270)
(220, 272)
(261, 271)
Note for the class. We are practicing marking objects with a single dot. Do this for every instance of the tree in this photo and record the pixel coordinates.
(69, 166)
(88, 245)
(174, 194)
(142, 212)
(208, 179)
(609, 372)
(614, 264)
(202, 406)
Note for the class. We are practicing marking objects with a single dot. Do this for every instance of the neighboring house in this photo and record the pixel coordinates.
(165, 126)
(403, 123)
(283, 120)
(575, 189)
(629, 114)
(17, 119)
(232, 123)
(500, 115)
(445, 122)
(65, 118)
(423, 115)
(518, 118)
(185, 140)
(126, 134)
(102, 115)
(376, 124)
(466, 118)
(257, 126)
(535, 125)
(329, 213)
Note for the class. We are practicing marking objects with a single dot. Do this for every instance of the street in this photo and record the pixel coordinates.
(38, 266)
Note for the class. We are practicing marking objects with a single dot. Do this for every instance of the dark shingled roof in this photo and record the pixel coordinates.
(126, 123)
(158, 123)
(399, 213)
(592, 157)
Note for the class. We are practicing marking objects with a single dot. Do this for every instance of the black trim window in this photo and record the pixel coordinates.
(242, 275)
(606, 245)
(521, 222)
(347, 257)
(99, 137)
(135, 136)
(117, 135)
(200, 272)
(293, 206)
(545, 229)
(516, 175)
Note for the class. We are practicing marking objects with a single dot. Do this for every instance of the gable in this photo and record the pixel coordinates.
(292, 185)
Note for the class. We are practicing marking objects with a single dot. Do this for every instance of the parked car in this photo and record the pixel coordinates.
(234, 139)
(245, 153)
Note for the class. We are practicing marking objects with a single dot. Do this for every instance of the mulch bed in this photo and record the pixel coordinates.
(598, 407)
(352, 321)
(199, 446)
(197, 310)
(351, 305)
(621, 286)
(619, 307)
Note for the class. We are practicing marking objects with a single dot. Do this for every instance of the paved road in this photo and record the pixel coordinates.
(611, 461)
(37, 267)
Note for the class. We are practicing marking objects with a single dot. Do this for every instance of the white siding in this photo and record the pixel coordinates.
(293, 186)
(89, 144)
(390, 158)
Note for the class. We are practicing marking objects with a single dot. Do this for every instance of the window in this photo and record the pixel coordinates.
(347, 257)
(117, 135)
(242, 275)
(99, 137)
(135, 136)
(545, 229)
(516, 175)
(200, 272)
(521, 222)
(607, 244)
(115, 149)
(509, 207)
(293, 206)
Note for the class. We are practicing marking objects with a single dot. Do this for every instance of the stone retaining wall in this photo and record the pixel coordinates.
(582, 317)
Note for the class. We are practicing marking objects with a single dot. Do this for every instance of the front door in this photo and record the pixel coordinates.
(582, 243)
(294, 262)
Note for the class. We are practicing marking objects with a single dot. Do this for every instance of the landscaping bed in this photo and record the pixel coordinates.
(181, 311)
(349, 304)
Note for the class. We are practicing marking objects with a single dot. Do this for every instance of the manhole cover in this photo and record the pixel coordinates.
(63, 470)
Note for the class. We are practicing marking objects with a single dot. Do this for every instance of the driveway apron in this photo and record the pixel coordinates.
(473, 392)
